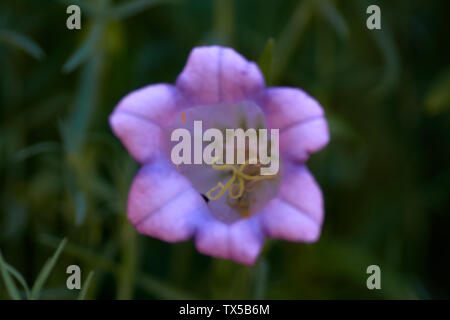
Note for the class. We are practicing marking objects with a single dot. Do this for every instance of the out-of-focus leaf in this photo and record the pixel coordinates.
(266, 59)
(129, 9)
(86, 255)
(14, 219)
(46, 269)
(127, 275)
(9, 282)
(340, 128)
(85, 288)
(19, 278)
(438, 97)
(22, 42)
(74, 130)
(114, 37)
(80, 208)
(85, 49)
(329, 11)
(223, 20)
(85, 6)
(153, 286)
(395, 284)
(291, 36)
(160, 289)
(389, 51)
(261, 274)
(36, 149)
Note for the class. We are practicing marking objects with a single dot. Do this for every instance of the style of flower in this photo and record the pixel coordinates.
(230, 221)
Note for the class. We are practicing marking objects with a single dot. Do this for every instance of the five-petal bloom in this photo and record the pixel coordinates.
(165, 203)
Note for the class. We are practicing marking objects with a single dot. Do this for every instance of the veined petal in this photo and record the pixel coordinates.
(141, 137)
(240, 241)
(156, 103)
(297, 212)
(300, 189)
(163, 204)
(297, 142)
(285, 107)
(219, 75)
(282, 220)
(300, 119)
(138, 118)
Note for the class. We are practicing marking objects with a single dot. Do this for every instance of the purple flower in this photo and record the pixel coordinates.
(224, 90)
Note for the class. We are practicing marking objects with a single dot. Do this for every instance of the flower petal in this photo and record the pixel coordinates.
(156, 103)
(300, 189)
(300, 119)
(138, 118)
(297, 213)
(240, 241)
(282, 220)
(141, 137)
(284, 107)
(163, 204)
(297, 142)
(219, 75)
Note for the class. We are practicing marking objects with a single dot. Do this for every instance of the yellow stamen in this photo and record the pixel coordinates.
(222, 166)
(222, 187)
(237, 173)
(240, 184)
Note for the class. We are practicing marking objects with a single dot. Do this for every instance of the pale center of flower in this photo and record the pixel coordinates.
(234, 190)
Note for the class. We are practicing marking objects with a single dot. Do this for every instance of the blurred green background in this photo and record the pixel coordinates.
(385, 175)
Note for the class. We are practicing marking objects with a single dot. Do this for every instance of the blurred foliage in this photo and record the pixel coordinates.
(385, 175)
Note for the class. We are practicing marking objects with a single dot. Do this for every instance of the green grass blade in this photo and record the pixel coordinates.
(260, 275)
(80, 208)
(153, 286)
(82, 253)
(85, 49)
(74, 129)
(131, 8)
(266, 60)
(22, 42)
(19, 278)
(39, 148)
(46, 269)
(85, 288)
(9, 282)
(291, 36)
(392, 64)
(223, 21)
(329, 11)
